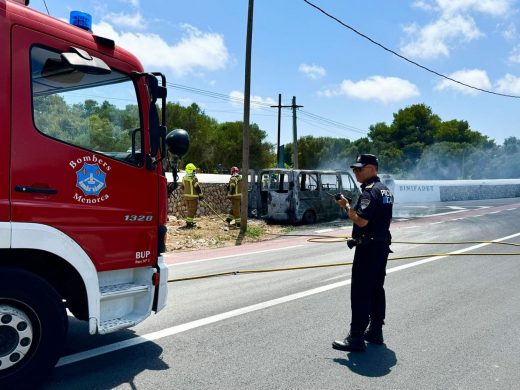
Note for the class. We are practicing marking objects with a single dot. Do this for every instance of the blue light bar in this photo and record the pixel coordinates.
(81, 20)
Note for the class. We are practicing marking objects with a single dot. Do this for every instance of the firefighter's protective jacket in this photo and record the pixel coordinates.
(235, 186)
(191, 186)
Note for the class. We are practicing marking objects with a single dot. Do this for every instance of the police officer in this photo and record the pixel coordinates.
(192, 193)
(234, 195)
(371, 218)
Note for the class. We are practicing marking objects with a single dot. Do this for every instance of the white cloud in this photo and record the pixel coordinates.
(196, 51)
(256, 101)
(453, 7)
(134, 3)
(491, 7)
(508, 32)
(312, 71)
(434, 39)
(514, 56)
(126, 20)
(420, 4)
(379, 88)
(509, 84)
(474, 77)
(453, 25)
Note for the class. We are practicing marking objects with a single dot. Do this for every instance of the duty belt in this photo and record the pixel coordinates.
(364, 240)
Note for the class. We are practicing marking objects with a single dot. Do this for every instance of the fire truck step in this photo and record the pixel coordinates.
(119, 290)
(112, 325)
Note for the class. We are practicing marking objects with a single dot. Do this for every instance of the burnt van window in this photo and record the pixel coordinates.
(94, 112)
(329, 182)
(347, 182)
(279, 182)
(308, 182)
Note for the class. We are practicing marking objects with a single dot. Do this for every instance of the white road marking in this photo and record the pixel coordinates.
(323, 230)
(236, 255)
(446, 213)
(74, 358)
(456, 207)
(336, 277)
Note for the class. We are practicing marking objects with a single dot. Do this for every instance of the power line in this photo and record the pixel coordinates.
(333, 123)
(405, 58)
(216, 95)
(266, 107)
(328, 130)
(48, 13)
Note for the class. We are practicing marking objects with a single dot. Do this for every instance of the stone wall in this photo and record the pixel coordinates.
(215, 195)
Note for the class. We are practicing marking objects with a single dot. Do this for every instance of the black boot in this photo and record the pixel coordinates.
(374, 333)
(353, 342)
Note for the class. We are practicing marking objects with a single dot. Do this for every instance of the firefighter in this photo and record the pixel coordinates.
(192, 193)
(235, 196)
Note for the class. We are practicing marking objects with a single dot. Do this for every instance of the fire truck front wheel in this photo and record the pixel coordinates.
(33, 326)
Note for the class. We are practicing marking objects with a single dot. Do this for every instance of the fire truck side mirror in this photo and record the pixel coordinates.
(178, 142)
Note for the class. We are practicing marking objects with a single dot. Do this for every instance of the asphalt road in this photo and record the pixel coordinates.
(452, 322)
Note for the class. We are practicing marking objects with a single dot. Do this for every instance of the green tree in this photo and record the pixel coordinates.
(199, 126)
(320, 153)
(459, 131)
(227, 141)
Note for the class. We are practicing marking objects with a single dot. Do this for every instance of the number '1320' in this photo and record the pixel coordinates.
(138, 218)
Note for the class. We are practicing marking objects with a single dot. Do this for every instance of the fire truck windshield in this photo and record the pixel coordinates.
(95, 112)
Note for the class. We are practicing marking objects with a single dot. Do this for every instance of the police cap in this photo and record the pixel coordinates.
(365, 159)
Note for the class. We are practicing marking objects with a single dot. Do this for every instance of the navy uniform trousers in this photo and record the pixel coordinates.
(367, 294)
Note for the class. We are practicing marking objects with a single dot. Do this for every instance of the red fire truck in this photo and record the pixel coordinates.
(83, 195)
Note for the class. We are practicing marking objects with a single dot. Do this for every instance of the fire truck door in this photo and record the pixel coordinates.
(76, 157)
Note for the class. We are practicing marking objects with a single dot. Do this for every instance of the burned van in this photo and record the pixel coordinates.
(300, 196)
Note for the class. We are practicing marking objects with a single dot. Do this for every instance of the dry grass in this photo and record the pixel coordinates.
(212, 232)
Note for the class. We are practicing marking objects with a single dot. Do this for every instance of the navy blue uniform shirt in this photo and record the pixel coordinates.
(374, 205)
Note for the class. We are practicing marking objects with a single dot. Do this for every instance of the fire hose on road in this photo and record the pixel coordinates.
(334, 239)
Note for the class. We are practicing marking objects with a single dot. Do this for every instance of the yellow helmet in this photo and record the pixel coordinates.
(190, 168)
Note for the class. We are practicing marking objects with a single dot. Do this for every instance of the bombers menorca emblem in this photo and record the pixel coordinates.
(91, 179)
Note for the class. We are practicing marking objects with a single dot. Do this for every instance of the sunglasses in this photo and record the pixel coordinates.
(357, 169)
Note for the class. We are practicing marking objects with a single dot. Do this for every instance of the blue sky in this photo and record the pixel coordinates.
(344, 82)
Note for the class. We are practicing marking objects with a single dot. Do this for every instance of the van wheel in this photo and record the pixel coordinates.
(309, 217)
(33, 326)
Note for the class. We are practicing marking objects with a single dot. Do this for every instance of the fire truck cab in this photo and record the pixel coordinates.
(83, 196)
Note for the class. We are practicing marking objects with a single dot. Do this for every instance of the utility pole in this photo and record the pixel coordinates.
(247, 100)
(279, 106)
(295, 138)
(295, 133)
